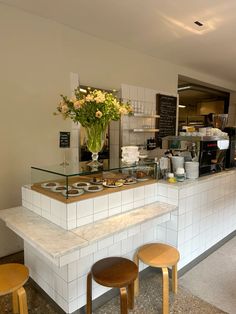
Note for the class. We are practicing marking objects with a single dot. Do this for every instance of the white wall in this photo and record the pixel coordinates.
(36, 58)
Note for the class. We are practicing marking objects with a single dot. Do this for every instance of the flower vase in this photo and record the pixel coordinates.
(96, 135)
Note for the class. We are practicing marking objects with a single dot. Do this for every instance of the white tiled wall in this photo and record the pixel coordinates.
(144, 98)
(66, 285)
(70, 216)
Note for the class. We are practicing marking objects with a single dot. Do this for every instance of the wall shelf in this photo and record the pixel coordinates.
(147, 130)
(142, 115)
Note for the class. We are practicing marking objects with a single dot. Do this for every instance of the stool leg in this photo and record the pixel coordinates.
(22, 301)
(89, 294)
(174, 278)
(165, 290)
(131, 296)
(136, 282)
(123, 301)
(15, 305)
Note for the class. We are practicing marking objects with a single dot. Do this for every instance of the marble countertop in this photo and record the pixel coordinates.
(54, 242)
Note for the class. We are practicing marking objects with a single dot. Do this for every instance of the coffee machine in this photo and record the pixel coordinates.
(231, 152)
(212, 157)
(209, 151)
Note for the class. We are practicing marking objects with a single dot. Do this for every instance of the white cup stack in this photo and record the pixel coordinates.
(130, 154)
(192, 169)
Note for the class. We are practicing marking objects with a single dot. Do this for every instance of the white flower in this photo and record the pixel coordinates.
(98, 114)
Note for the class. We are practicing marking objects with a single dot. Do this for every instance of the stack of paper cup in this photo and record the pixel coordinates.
(130, 154)
(177, 162)
(192, 169)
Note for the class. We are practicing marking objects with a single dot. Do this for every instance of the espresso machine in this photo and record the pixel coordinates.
(209, 151)
(231, 152)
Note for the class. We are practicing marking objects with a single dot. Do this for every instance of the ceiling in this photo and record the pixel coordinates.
(160, 28)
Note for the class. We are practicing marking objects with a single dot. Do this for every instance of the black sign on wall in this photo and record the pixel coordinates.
(167, 109)
(64, 141)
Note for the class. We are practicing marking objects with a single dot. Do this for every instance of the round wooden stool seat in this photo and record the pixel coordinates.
(158, 255)
(12, 278)
(162, 256)
(114, 272)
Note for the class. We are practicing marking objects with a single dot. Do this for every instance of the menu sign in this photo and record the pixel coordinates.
(167, 109)
(64, 141)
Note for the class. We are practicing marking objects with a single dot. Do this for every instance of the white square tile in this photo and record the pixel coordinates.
(72, 271)
(85, 208)
(81, 288)
(173, 193)
(28, 195)
(100, 203)
(114, 200)
(127, 196)
(115, 249)
(84, 264)
(133, 231)
(114, 211)
(36, 199)
(100, 254)
(71, 211)
(84, 221)
(139, 203)
(45, 203)
(71, 224)
(105, 242)
(149, 191)
(138, 193)
(163, 190)
(126, 246)
(100, 215)
(120, 236)
(127, 207)
(58, 209)
(89, 249)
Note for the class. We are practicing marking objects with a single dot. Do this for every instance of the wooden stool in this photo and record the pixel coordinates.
(114, 272)
(12, 279)
(163, 256)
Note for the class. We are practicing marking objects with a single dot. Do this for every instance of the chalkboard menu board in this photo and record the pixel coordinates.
(167, 109)
(64, 140)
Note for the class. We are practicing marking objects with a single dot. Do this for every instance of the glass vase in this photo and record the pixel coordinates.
(96, 135)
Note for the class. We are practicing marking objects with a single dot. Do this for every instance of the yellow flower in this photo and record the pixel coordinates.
(64, 108)
(89, 98)
(123, 110)
(98, 114)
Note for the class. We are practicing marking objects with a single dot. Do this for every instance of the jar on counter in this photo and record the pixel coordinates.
(171, 178)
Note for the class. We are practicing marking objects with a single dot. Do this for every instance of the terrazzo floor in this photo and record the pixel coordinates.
(148, 302)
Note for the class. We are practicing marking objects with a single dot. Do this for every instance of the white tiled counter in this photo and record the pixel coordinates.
(59, 260)
(206, 213)
(192, 216)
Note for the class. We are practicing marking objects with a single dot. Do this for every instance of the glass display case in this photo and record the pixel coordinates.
(76, 181)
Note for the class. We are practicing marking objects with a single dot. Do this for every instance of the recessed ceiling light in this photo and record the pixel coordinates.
(182, 106)
(198, 23)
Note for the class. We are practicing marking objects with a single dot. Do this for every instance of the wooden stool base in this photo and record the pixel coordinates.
(161, 256)
(12, 278)
(114, 272)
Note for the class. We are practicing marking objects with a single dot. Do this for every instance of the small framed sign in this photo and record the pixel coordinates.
(64, 141)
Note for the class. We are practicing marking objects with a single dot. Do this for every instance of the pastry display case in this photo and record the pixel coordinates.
(74, 182)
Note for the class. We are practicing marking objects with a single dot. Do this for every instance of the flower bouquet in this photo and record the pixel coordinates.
(93, 109)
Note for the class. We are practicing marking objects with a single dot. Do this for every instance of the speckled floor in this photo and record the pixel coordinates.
(148, 302)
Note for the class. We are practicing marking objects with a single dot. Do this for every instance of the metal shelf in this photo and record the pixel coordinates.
(142, 115)
(147, 130)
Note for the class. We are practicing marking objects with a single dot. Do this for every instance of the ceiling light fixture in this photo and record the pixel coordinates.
(184, 87)
(198, 23)
(182, 106)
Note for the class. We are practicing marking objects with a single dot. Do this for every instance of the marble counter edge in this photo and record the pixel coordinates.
(119, 223)
(36, 230)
